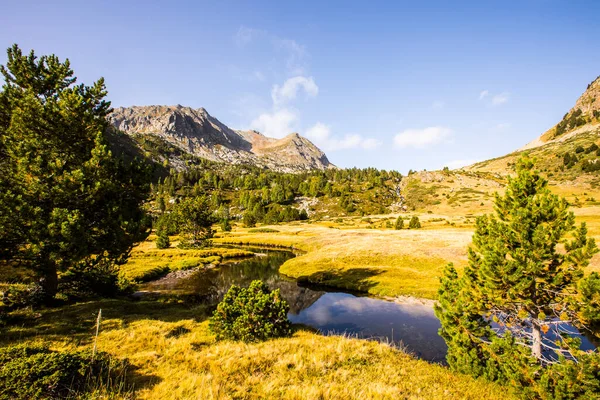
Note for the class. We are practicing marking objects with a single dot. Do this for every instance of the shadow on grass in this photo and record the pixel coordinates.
(77, 321)
(354, 279)
(136, 380)
(75, 324)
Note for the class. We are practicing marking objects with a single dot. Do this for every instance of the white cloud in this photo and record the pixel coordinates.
(502, 126)
(282, 118)
(495, 100)
(500, 98)
(289, 89)
(370, 143)
(295, 54)
(421, 138)
(319, 132)
(276, 124)
(321, 135)
(460, 163)
(296, 61)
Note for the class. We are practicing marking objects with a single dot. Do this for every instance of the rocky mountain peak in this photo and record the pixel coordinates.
(198, 133)
(589, 101)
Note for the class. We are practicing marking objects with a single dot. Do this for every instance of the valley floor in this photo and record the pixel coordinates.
(173, 354)
(367, 255)
(382, 262)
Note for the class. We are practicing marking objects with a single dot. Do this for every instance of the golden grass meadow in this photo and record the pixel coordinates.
(173, 354)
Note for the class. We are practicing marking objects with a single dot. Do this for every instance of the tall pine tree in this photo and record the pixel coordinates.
(505, 317)
(65, 201)
(195, 220)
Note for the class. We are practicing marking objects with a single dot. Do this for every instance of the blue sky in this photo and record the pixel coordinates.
(394, 85)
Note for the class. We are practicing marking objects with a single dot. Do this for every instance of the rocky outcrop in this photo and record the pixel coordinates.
(589, 102)
(196, 132)
(582, 118)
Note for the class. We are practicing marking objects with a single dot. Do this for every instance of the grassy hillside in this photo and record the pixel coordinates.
(550, 159)
(571, 165)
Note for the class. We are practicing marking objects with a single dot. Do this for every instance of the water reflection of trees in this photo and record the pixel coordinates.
(212, 284)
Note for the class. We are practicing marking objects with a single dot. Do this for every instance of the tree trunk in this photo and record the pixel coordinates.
(536, 347)
(49, 282)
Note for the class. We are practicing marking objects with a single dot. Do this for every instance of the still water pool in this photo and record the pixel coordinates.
(412, 326)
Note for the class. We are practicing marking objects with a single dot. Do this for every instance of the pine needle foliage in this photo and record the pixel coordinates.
(64, 199)
(414, 223)
(251, 315)
(506, 317)
(399, 223)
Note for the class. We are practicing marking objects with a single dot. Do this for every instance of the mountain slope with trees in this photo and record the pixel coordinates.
(567, 150)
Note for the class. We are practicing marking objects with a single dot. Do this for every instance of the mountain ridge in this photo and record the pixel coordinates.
(199, 134)
(567, 150)
(584, 116)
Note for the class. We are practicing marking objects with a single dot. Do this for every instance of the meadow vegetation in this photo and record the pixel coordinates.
(381, 261)
(172, 354)
(147, 262)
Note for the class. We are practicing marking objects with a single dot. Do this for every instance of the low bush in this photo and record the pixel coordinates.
(20, 296)
(94, 279)
(251, 315)
(36, 372)
(263, 230)
(249, 219)
(414, 223)
(163, 241)
(399, 223)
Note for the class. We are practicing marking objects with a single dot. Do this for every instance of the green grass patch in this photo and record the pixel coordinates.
(263, 230)
(148, 263)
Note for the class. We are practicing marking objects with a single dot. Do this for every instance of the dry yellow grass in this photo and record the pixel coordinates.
(383, 262)
(147, 262)
(174, 356)
(358, 254)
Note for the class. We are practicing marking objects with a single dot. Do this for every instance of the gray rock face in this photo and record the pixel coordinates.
(198, 133)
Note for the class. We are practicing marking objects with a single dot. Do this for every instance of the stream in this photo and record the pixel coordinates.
(411, 326)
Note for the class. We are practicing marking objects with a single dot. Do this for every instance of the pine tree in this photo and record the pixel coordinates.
(195, 220)
(399, 223)
(161, 204)
(249, 219)
(519, 278)
(65, 201)
(163, 241)
(225, 225)
(414, 223)
(225, 218)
